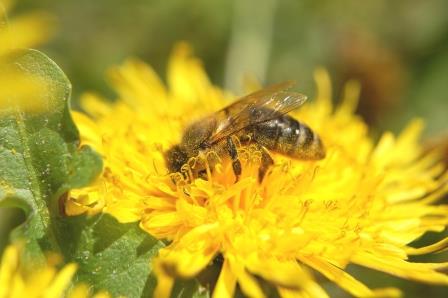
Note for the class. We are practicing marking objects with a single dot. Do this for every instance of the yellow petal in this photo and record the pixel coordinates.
(8, 267)
(225, 286)
(61, 282)
(413, 271)
(283, 274)
(186, 77)
(247, 282)
(344, 280)
(352, 90)
(164, 280)
(26, 31)
(440, 246)
(324, 89)
(137, 84)
(89, 131)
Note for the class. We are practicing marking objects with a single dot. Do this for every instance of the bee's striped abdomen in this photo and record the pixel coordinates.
(288, 136)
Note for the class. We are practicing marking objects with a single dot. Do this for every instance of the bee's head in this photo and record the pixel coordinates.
(175, 158)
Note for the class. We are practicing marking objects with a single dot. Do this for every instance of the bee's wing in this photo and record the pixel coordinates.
(273, 100)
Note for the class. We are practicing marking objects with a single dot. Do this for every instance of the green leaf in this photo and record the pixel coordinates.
(116, 257)
(40, 161)
(40, 158)
(111, 256)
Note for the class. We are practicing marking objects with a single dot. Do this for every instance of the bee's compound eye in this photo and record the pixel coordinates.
(176, 157)
(203, 146)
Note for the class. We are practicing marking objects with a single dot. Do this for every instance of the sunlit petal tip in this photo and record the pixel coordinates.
(324, 89)
(352, 91)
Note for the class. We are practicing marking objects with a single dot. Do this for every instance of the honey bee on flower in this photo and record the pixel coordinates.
(259, 118)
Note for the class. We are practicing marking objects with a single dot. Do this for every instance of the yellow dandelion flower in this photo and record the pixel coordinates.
(364, 203)
(18, 279)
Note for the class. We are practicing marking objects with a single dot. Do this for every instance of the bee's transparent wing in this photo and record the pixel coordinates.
(274, 101)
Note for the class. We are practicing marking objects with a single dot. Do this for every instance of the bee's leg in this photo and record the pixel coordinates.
(266, 162)
(233, 152)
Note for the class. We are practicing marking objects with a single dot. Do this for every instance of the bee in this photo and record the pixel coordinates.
(259, 118)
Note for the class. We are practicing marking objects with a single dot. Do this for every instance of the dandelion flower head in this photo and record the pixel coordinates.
(362, 204)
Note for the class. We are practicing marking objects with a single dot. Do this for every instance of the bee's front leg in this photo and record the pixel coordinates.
(266, 162)
(233, 152)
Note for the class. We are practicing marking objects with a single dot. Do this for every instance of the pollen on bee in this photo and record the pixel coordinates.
(203, 166)
(216, 168)
(187, 169)
(251, 159)
(177, 178)
(213, 157)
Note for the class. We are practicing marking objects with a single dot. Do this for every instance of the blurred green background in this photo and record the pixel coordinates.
(398, 50)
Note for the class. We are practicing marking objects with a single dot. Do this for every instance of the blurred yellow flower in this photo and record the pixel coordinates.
(29, 30)
(363, 204)
(25, 31)
(18, 280)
